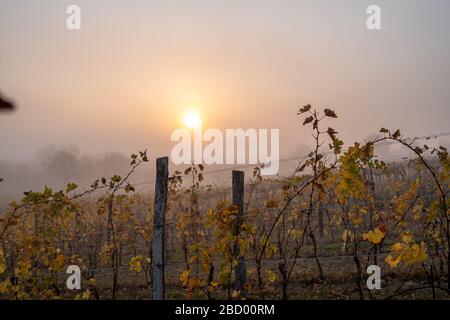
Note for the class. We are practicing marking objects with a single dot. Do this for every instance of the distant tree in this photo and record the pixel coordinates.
(65, 163)
(110, 163)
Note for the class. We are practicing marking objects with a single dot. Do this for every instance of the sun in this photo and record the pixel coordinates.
(192, 120)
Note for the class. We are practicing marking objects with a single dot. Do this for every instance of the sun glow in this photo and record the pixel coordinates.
(192, 120)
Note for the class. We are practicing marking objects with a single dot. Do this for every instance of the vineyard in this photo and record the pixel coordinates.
(308, 235)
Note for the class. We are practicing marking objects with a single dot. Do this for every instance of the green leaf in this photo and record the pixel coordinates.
(116, 178)
(70, 187)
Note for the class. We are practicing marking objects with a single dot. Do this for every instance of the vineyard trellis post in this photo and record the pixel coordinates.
(238, 200)
(158, 252)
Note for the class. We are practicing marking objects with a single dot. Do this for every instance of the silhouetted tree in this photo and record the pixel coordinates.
(66, 162)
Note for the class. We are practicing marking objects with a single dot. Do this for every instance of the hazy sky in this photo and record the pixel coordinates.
(125, 79)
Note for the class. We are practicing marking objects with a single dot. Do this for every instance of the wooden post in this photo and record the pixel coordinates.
(158, 254)
(238, 200)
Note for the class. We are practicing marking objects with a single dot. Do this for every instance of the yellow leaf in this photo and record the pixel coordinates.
(393, 262)
(375, 236)
(271, 276)
(59, 262)
(5, 286)
(397, 247)
(213, 286)
(363, 211)
(136, 264)
(86, 295)
(346, 235)
(2, 262)
(418, 253)
(295, 233)
(194, 283)
(407, 237)
(184, 277)
(409, 254)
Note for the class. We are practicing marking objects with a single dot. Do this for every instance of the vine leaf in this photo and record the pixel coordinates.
(396, 134)
(332, 133)
(330, 113)
(70, 187)
(308, 120)
(304, 109)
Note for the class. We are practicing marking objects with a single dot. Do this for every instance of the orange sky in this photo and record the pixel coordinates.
(124, 81)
